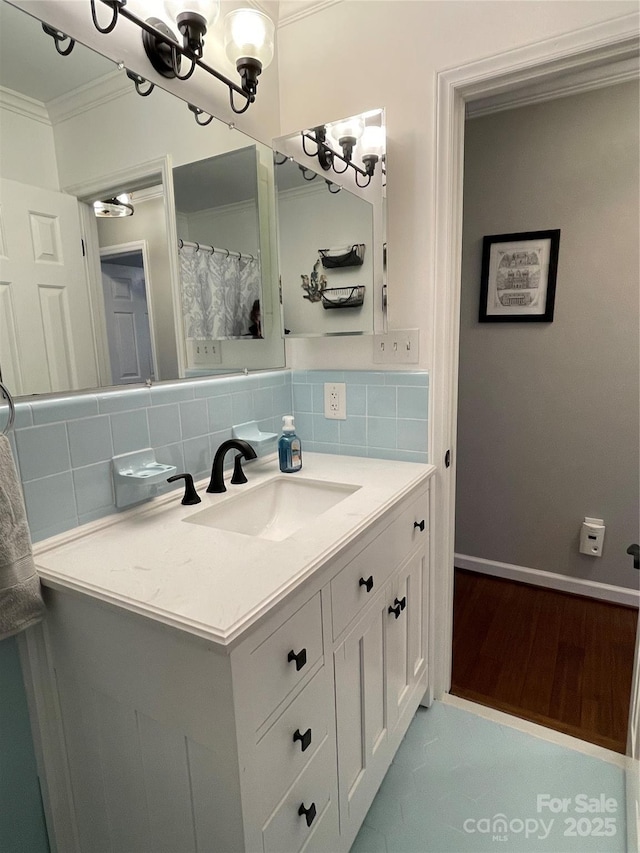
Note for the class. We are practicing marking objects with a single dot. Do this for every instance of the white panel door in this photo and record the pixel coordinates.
(127, 318)
(46, 330)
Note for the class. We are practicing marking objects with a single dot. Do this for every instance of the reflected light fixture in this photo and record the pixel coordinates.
(113, 208)
(346, 135)
(248, 42)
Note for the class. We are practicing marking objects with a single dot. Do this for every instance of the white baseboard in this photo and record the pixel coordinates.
(563, 583)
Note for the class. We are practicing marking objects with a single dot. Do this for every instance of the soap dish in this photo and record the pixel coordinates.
(251, 432)
(135, 474)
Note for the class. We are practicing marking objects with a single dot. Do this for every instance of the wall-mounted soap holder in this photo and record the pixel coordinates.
(262, 442)
(136, 476)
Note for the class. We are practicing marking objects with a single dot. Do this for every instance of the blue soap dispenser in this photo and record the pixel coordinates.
(289, 447)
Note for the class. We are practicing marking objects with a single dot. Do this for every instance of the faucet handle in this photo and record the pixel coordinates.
(190, 495)
(238, 475)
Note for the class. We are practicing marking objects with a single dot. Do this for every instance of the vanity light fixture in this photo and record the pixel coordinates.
(248, 42)
(113, 208)
(346, 135)
(307, 174)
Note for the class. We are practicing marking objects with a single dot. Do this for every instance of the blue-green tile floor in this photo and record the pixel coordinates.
(464, 784)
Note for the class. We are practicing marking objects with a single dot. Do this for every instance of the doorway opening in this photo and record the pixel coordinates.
(544, 65)
(126, 311)
(527, 413)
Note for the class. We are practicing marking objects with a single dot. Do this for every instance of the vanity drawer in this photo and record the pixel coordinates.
(315, 791)
(358, 582)
(280, 758)
(283, 660)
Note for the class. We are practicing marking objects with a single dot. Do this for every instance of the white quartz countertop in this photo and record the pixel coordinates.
(210, 582)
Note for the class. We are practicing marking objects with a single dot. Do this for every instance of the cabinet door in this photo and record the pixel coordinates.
(361, 714)
(406, 639)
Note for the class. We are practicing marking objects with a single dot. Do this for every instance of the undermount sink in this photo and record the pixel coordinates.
(275, 509)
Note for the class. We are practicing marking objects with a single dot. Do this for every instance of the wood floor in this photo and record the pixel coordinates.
(556, 659)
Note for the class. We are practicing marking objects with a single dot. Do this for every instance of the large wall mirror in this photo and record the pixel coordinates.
(90, 302)
(331, 203)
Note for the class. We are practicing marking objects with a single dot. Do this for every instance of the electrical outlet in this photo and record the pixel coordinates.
(396, 347)
(335, 401)
(204, 353)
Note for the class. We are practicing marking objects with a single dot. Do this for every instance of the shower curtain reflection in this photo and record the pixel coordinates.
(220, 293)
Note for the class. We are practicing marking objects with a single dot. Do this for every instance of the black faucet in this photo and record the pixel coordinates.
(217, 472)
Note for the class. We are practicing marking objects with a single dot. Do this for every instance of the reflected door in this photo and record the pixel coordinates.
(127, 320)
(46, 331)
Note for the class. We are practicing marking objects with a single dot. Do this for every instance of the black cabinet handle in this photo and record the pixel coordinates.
(368, 583)
(634, 551)
(300, 658)
(309, 813)
(304, 739)
(419, 524)
(398, 606)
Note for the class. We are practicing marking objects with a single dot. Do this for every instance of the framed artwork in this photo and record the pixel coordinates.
(519, 277)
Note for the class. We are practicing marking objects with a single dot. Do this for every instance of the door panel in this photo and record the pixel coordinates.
(43, 292)
(127, 319)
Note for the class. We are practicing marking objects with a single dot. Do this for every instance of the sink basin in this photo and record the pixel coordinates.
(274, 510)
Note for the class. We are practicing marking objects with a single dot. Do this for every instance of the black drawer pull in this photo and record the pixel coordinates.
(300, 658)
(368, 583)
(398, 606)
(419, 524)
(304, 739)
(309, 813)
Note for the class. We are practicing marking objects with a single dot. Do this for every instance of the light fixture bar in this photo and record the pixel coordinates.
(177, 50)
(324, 149)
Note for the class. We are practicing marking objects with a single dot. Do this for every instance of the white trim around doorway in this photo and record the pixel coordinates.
(550, 60)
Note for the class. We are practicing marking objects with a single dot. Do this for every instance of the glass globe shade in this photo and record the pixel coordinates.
(351, 128)
(373, 140)
(249, 33)
(207, 9)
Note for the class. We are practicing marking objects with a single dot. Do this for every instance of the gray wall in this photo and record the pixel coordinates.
(548, 413)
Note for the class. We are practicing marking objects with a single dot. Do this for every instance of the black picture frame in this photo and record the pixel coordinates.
(518, 281)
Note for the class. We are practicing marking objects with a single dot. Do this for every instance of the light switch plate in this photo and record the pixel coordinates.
(204, 353)
(396, 347)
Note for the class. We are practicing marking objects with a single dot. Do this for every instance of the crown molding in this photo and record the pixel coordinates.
(147, 194)
(22, 105)
(304, 192)
(573, 83)
(94, 94)
(311, 7)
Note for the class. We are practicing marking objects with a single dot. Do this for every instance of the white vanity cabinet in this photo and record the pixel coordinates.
(278, 743)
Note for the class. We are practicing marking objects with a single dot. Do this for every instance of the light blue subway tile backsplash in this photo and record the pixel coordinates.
(164, 424)
(51, 505)
(381, 401)
(194, 418)
(382, 432)
(219, 409)
(412, 402)
(64, 447)
(43, 450)
(387, 413)
(49, 411)
(90, 440)
(130, 431)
